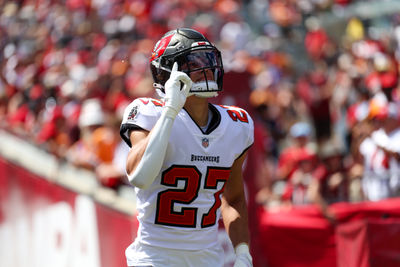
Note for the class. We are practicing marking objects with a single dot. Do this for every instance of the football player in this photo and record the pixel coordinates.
(186, 159)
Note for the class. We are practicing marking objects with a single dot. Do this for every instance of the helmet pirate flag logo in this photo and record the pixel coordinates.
(160, 47)
(205, 142)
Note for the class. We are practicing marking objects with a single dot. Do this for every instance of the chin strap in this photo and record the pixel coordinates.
(205, 94)
(200, 93)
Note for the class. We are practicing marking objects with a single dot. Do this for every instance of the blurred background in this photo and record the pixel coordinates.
(320, 78)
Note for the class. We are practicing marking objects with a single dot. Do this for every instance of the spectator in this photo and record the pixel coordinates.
(293, 159)
(333, 184)
(300, 147)
(380, 153)
(297, 189)
(316, 41)
(87, 151)
(111, 173)
(330, 183)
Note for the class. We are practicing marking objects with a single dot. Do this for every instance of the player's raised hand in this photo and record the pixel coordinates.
(175, 97)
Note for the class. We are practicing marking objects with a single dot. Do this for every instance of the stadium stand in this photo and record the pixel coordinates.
(68, 68)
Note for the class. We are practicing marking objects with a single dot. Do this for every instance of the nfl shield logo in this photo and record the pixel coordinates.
(204, 142)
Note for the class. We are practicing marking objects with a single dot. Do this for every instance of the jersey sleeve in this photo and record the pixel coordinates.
(249, 131)
(240, 125)
(140, 114)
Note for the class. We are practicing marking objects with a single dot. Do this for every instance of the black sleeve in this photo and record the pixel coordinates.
(124, 131)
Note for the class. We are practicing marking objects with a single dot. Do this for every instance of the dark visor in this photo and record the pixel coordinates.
(197, 60)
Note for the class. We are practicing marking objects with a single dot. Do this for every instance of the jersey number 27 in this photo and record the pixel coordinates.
(191, 176)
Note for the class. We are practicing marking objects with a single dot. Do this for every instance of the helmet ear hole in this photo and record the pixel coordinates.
(167, 63)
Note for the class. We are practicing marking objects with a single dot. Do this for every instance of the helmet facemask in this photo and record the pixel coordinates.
(204, 67)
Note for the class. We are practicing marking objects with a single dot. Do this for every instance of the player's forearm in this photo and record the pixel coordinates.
(142, 173)
(235, 218)
(234, 214)
(135, 155)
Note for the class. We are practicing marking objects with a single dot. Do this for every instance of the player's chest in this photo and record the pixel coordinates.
(189, 145)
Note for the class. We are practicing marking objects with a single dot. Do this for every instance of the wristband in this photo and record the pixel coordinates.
(170, 112)
(242, 248)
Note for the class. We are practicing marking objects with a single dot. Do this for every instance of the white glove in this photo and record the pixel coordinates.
(243, 257)
(175, 98)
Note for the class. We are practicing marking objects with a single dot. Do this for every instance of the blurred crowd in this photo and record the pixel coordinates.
(325, 97)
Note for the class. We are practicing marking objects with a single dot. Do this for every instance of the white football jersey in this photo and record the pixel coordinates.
(394, 145)
(181, 208)
(381, 173)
